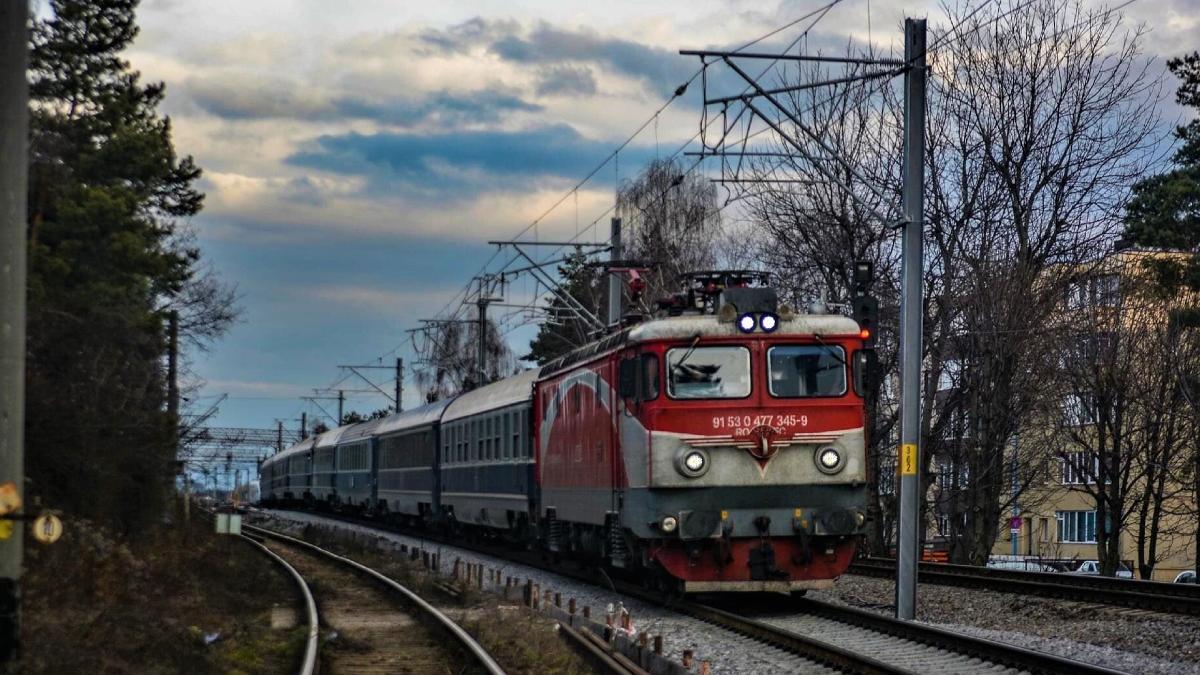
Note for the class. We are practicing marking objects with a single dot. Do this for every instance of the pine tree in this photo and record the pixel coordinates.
(1165, 209)
(564, 331)
(106, 256)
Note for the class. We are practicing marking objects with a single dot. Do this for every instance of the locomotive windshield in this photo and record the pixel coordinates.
(708, 372)
(798, 371)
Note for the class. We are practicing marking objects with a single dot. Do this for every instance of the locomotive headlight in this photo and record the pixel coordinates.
(746, 323)
(691, 462)
(669, 524)
(768, 322)
(829, 460)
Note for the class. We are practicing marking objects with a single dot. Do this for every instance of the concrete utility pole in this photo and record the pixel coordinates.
(303, 426)
(399, 385)
(614, 281)
(279, 437)
(173, 377)
(912, 313)
(341, 406)
(14, 155)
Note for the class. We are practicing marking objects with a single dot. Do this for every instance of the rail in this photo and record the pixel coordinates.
(1030, 660)
(842, 659)
(854, 661)
(1152, 595)
(821, 651)
(476, 651)
(309, 665)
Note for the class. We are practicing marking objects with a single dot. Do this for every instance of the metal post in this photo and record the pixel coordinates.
(14, 155)
(911, 318)
(614, 281)
(481, 356)
(279, 436)
(303, 425)
(341, 405)
(399, 385)
(1016, 507)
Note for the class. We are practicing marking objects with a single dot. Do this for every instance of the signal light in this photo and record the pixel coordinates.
(768, 322)
(746, 323)
(866, 314)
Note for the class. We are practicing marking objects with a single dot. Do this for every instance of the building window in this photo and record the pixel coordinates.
(1080, 468)
(1076, 527)
(946, 473)
(1102, 290)
(1107, 290)
(951, 374)
(1078, 410)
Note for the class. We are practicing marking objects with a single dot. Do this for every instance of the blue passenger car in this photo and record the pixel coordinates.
(355, 484)
(407, 479)
(323, 486)
(486, 458)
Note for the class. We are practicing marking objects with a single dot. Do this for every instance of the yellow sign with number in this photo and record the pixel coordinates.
(908, 459)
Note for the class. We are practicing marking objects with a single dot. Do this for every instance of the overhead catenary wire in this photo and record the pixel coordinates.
(454, 307)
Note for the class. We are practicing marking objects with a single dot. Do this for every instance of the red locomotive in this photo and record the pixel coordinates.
(721, 448)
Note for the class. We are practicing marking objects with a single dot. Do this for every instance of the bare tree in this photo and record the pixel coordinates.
(1040, 117)
(1040, 120)
(671, 220)
(449, 357)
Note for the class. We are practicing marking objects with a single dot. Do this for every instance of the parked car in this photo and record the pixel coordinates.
(1093, 567)
(1186, 577)
(1021, 565)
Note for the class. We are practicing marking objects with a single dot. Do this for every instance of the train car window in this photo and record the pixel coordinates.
(708, 372)
(649, 377)
(506, 435)
(516, 434)
(804, 371)
(522, 435)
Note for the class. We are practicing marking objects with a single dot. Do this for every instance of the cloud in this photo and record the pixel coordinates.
(237, 388)
(545, 44)
(253, 98)
(441, 164)
(375, 300)
(566, 80)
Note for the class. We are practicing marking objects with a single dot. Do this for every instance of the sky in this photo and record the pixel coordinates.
(358, 156)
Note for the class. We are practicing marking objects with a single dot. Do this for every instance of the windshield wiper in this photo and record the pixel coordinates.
(834, 353)
(691, 348)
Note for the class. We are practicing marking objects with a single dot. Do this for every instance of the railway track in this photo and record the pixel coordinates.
(881, 644)
(1150, 595)
(832, 638)
(387, 628)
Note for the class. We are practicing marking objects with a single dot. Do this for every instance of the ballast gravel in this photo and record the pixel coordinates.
(1134, 641)
(1131, 640)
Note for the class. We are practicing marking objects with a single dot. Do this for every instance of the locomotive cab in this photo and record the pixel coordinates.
(741, 432)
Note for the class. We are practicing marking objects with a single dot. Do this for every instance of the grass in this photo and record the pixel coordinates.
(179, 599)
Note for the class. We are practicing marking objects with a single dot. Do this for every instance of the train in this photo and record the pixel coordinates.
(716, 446)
